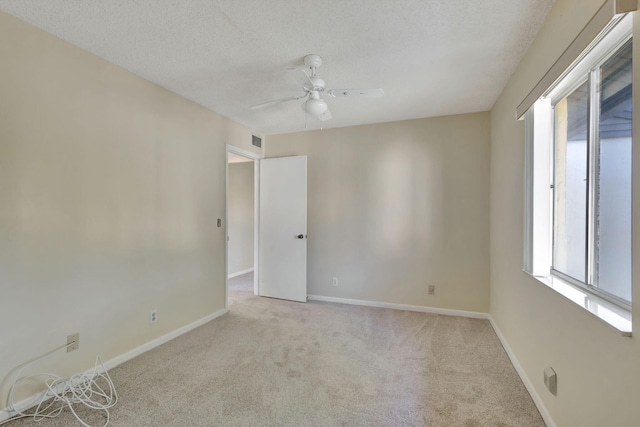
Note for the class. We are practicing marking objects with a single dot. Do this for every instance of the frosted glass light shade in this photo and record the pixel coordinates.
(315, 107)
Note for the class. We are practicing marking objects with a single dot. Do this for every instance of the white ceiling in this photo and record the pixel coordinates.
(431, 57)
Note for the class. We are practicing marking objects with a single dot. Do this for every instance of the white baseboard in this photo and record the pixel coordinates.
(523, 376)
(31, 401)
(35, 399)
(422, 309)
(240, 273)
(472, 314)
(161, 340)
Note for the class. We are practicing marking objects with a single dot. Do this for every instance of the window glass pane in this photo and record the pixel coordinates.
(613, 220)
(570, 204)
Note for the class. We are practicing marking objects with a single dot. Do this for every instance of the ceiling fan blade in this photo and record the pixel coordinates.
(355, 93)
(277, 101)
(301, 77)
(325, 116)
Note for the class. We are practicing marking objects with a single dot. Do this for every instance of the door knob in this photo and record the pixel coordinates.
(300, 236)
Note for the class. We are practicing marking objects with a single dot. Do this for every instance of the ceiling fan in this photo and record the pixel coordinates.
(314, 86)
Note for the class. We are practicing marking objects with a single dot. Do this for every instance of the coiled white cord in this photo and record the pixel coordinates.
(93, 389)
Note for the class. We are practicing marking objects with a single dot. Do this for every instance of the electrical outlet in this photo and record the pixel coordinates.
(335, 281)
(432, 290)
(153, 316)
(73, 342)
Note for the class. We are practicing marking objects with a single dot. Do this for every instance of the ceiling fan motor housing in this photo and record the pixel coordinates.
(318, 83)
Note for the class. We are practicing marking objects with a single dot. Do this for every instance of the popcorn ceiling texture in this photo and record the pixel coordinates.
(431, 57)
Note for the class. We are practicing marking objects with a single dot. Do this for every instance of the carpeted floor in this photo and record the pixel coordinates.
(278, 363)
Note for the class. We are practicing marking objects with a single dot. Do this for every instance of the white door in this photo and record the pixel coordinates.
(283, 228)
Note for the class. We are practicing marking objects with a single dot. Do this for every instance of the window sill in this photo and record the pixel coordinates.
(614, 316)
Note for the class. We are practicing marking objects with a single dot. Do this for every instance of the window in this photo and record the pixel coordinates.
(578, 173)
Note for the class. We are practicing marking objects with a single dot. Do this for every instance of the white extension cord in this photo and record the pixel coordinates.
(93, 389)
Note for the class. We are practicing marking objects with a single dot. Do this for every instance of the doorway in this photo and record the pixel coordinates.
(242, 188)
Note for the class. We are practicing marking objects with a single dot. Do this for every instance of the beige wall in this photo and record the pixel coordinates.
(396, 207)
(111, 185)
(110, 190)
(241, 217)
(598, 369)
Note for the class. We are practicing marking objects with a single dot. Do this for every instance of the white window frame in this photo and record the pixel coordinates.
(538, 191)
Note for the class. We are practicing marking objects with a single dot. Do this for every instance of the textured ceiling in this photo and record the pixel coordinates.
(431, 57)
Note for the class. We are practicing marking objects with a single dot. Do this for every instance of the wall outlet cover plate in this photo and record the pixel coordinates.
(551, 380)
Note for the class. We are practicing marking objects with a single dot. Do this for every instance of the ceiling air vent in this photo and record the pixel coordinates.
(256, 141)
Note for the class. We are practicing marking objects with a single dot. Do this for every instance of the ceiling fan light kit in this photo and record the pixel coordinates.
(313, 86)
(314, 105)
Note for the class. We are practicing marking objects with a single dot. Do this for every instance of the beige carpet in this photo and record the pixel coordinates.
(277, 363)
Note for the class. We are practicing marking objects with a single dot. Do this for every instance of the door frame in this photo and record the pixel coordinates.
(256, 157)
